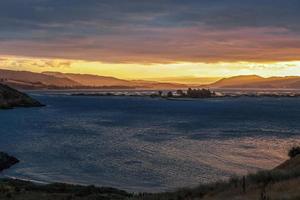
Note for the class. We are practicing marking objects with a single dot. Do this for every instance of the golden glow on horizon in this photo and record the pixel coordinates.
(142, 71)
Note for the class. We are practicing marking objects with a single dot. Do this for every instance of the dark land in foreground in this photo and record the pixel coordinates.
(282, 182)
(10, 98)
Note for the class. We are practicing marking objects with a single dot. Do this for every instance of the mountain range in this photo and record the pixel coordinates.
(257, 82)
(58, 80)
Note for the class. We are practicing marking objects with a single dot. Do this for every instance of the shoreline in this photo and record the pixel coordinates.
(184, 98)
(258, 183)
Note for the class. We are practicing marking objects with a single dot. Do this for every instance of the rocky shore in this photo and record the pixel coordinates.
(6, 161)
(10, 98)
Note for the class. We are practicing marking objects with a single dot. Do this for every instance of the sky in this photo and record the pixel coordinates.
(136, 39)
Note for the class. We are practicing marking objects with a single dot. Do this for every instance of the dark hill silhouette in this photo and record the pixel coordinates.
(10, 98)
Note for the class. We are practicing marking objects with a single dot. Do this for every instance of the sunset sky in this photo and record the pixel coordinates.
(136, 39)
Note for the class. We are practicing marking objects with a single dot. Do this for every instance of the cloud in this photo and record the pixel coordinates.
(143, 31)
(168, 45)
(19, 62)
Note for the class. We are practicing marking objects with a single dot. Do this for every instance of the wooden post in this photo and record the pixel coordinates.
(244, 184)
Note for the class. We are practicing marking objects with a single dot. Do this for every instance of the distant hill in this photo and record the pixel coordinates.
(107, 81)
(257, 82)
(57, 80)
(91, 80)
(25, 79)
(187, 80)
(158, 85)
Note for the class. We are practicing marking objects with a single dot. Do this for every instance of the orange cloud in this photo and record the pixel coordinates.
(152, 71)
(168, 45)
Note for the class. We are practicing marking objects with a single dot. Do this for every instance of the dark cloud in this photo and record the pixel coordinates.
(153, 31)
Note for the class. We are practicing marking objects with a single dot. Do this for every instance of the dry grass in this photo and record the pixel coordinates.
(281, 183)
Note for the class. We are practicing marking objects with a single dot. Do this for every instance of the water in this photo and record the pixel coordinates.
(144, 144)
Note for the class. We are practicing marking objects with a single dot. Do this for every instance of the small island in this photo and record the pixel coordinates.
(190, 93)
(10, 98)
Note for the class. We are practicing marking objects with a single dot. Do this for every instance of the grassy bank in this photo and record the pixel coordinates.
(24, 190)
(280, 183)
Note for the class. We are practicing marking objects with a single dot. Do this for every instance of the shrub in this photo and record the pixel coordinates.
(170, 94)
(294, 152)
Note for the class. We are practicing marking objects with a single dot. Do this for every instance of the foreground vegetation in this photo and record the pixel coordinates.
(24, 190)
(280, 183)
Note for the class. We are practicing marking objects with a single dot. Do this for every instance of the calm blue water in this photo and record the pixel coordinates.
(144, 144)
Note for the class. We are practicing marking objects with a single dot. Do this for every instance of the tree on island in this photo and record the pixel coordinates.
(190, 93)
(170, 94)
(199, 93)
(180, 93)
(160, 93)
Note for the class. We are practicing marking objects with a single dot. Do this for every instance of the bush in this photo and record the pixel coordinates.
(294, 152)
(170, 94)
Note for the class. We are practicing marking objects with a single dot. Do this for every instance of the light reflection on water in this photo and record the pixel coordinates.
(144, 144)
